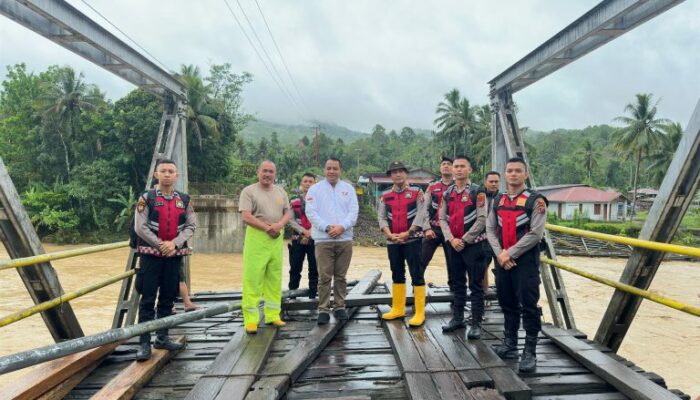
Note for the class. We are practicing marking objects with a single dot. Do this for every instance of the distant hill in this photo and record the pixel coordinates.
(290, 134)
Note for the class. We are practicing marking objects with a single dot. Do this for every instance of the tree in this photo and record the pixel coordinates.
(200, 114)
(662, 157)
(456, 120)
(640, 134)
(588, 156)
(62, 102)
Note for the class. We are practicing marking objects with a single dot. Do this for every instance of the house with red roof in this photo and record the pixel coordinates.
(596, 204)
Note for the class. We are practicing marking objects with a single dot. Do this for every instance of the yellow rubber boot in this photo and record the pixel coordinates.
(251, 328)
(398, 302)
(419, 306)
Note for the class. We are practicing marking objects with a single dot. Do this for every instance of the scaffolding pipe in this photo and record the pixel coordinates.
(28, 312)
(675, 304)
(666, 247)
(42, 258)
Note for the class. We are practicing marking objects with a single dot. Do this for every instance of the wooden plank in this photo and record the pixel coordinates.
(60, 391)
(287, 369)
(618, 375)
(132, 378)
(485, 394)
(242, 357)
(52, 373)
(363, 300)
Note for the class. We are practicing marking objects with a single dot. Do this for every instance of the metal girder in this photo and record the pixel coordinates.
(20, 240)
(675, 195)
(508, 142)
(63, 24)
(603, 23)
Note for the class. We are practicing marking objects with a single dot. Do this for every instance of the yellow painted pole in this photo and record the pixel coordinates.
(27, 312)
(667, 247)
(627, 288)
(26, 261)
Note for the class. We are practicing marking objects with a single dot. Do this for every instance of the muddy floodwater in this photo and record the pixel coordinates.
(661, 339)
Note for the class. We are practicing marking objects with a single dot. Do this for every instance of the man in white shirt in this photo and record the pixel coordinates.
(331, 206)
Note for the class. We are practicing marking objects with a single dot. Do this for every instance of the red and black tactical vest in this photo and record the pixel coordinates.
(461, 209)
(437, 190)
(166, 218)
(401, 208)
(299, 208)
(514, 215)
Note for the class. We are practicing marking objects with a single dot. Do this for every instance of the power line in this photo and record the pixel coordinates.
(162, 65)
(262, 47)
(296, 88)
(240, 25)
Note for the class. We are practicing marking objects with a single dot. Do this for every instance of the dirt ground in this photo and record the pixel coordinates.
(661, 340)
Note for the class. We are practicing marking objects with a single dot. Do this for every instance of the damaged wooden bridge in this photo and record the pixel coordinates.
(363, 358)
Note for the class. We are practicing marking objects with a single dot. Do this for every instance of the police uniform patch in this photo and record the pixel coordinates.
(464, 199)
(502, 201)
(481, 200)
(141, 205)
(409, 195)
(541, 206)
(521, 202)
(179, 204)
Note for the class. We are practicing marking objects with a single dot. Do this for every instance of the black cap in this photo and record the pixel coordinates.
(395, 166)
(445, 158)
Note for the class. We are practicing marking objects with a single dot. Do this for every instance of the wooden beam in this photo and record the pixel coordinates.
(53, 373)
(624, 379)
(127, 383)
(282, 374)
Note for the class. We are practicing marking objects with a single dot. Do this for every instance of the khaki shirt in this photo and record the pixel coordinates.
(266, 205)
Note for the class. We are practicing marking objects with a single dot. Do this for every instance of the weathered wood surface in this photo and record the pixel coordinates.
(280, 375)
(132, 378)
(54, 373)
(629, 382)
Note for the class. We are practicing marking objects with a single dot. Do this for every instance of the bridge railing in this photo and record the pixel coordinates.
(64, 298)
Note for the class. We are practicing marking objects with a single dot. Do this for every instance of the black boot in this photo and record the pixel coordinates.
(528, 360)
(163, 341)
(474, 329)
(509, 348)
(457, 321)
(144, 351)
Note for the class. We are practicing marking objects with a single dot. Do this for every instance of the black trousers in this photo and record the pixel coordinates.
(488, 254)
(518, 293)
(428, 248)
(402, 254)
(158, 277)
(468, 262)
(297, 253)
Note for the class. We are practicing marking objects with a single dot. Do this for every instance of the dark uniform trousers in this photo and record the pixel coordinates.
(518, 292)
(428, 248)
(402, 254)
(488, 255)
(155, 273)
(468, 262)
(297, 252)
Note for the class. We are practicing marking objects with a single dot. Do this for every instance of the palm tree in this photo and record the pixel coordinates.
(201, 108)
(662, 157)
(588, 156)
(640, 134)
(62, 101)
(482, 137)
(456, 119)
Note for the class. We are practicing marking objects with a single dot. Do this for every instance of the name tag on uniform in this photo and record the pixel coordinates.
(437, 190)
(179, 204)
(409, 195)
(465, 199)
(158, 204)
(521, 202)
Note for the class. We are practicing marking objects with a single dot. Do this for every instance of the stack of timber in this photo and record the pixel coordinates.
(570, 245)
(364, 358)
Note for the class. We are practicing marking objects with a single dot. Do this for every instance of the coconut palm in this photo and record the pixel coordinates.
(640, 135)
(588, 156)
(662, 157)
(201, 108)
(456, 119)
(62, 101)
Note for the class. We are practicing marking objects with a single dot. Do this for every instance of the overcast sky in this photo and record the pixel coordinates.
(362, 62)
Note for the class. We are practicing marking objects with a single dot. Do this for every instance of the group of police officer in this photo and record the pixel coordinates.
(472, 224)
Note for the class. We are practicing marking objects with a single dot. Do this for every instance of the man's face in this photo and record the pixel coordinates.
(445, 168)
(267, 173)
(166, 174)
(516, 174)
(398, 176)
(332, 171)
(306, 183)
(461, 169)
(492, 182)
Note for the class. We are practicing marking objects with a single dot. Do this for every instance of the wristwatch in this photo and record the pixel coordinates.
(328, 229)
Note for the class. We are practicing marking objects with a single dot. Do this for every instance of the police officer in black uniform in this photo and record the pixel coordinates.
(492, 183)
(515, 228)
(302, 245)
(431, 202)
(462, 218)
(163, 222)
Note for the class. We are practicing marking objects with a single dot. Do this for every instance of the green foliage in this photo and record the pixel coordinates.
(127, 204)
(50, 211)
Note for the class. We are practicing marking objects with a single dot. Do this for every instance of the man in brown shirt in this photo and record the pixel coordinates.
(265, 211)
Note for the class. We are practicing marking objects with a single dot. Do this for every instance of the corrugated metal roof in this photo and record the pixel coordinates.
(581, 194)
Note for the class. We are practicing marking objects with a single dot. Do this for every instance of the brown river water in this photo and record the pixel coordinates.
(661, 339)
